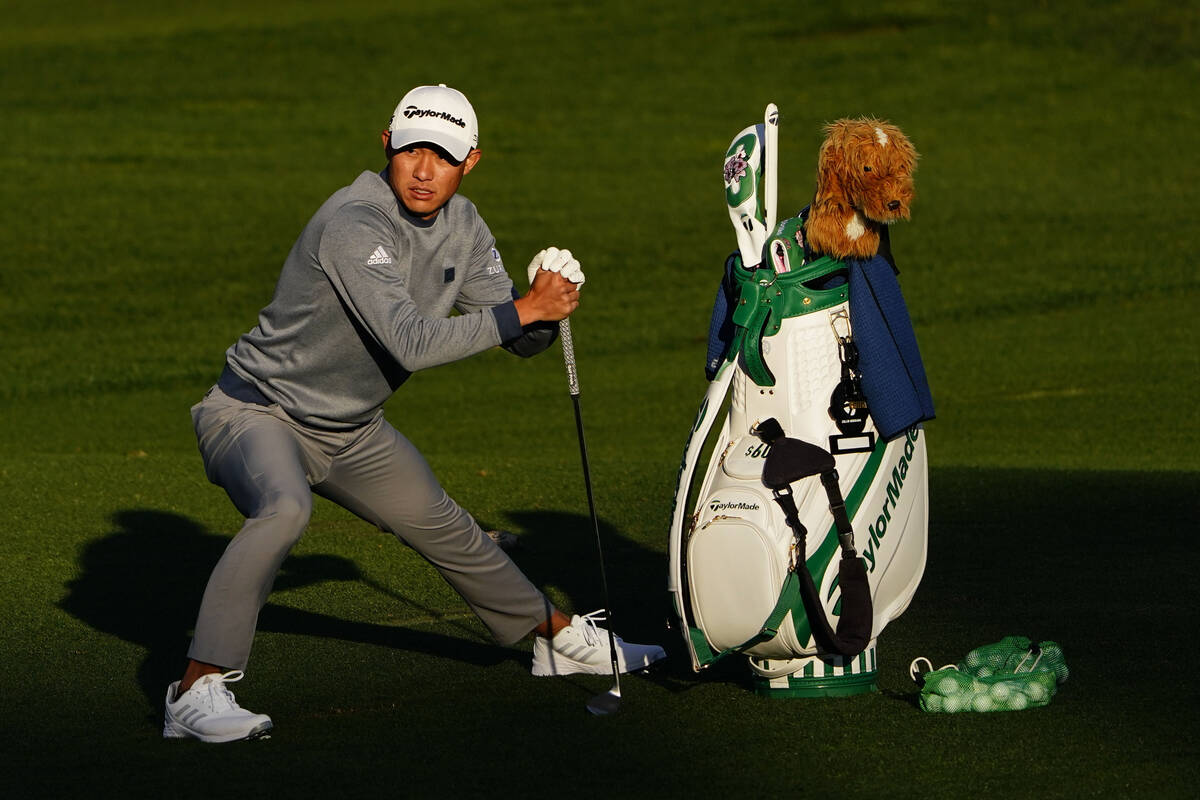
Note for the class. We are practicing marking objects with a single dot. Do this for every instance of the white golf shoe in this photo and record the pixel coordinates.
(208, 712)
(583, 647)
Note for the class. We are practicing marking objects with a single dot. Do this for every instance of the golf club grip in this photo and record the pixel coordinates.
(568, 346)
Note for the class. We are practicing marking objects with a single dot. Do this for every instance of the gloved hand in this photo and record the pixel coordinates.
(554, 260)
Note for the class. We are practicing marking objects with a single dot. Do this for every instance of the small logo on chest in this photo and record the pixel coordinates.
(448, 275)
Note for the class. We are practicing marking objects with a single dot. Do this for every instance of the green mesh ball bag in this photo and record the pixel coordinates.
(1010, 675)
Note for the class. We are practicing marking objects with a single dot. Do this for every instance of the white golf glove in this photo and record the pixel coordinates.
(554, 260)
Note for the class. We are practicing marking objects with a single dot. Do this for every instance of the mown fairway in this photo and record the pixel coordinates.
(158, 160)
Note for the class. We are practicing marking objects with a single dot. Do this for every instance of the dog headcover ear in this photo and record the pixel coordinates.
(826, 223)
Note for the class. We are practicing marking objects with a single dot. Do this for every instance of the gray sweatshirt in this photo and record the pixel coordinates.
(364, 299)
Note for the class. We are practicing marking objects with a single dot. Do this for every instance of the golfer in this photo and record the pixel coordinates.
(363, 301)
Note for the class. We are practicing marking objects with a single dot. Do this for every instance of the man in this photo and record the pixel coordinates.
(363, 300)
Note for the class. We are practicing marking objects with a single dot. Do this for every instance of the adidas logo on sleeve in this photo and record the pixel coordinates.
(380, 256)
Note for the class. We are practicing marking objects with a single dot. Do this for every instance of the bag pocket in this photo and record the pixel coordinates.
(735, 574)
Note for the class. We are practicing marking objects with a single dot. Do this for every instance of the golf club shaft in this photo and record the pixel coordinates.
(587, 480)
(568, 345)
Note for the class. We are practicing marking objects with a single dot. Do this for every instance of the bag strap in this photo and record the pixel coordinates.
(770, 629)
(789, 461)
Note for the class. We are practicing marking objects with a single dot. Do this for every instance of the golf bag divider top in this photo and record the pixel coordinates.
(738, 567)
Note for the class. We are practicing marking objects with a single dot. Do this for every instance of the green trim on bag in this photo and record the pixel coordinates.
(837, 686)
(704, 653)
(766, 298)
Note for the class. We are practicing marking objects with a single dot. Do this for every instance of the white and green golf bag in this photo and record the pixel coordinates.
(807, 533)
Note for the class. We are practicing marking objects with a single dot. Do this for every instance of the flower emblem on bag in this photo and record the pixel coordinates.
(736, 166)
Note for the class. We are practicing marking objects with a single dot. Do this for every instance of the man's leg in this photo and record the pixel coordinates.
(256, 459)
(384, 479)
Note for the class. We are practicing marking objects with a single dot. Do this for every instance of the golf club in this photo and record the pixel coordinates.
(771, 167)
(610, 701)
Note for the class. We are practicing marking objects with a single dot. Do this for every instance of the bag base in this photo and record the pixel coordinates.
(815, 676)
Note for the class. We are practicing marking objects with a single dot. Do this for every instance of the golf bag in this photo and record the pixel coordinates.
(807, 534)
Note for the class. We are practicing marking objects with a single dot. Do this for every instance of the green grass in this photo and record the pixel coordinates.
(158, 161)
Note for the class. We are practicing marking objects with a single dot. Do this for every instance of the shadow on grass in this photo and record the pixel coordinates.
(559, 550)
(1100, 562)
(1105, 556)
(143, 583)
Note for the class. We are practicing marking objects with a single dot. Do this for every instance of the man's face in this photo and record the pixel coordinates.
(424, 178)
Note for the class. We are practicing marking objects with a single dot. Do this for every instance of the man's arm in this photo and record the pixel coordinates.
(551, 297)
(534, 338)
(537, 313)
(377, 297)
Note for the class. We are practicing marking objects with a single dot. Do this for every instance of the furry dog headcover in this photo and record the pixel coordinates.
(864, 180)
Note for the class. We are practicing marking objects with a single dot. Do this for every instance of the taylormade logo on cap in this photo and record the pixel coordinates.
(413, 111)
(438, 115)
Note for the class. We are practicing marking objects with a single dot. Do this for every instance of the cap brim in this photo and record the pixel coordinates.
(458, 150)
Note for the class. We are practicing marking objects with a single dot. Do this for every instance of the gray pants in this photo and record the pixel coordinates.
(269, 464)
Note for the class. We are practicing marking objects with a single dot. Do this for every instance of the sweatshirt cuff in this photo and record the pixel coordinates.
(508, 323)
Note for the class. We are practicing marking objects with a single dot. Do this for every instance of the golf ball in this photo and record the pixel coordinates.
(1018, 701)
(953, 703)
(984, 672)
(947, 685)
(1000, 691)
(983, 702)
(1037, 693)
(933, 702)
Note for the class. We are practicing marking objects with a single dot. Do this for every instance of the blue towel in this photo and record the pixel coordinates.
(893, 376)
(721, 329)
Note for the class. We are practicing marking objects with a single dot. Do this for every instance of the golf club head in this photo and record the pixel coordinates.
(607, 703)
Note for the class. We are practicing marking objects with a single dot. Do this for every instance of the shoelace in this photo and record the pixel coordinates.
(219, 694)
(590, 633)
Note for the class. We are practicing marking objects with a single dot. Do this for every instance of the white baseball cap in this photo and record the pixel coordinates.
(436, 114)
